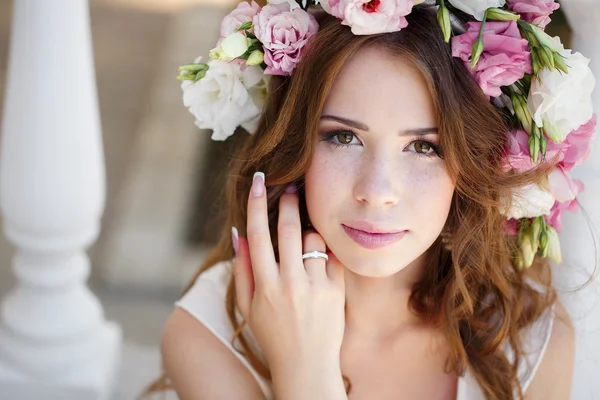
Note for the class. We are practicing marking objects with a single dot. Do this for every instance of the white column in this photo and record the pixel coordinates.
(578, 244)
(54, 340)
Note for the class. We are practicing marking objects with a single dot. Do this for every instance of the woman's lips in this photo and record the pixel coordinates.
(373, 240)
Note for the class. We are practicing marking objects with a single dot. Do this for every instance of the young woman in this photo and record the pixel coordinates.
(370, 256)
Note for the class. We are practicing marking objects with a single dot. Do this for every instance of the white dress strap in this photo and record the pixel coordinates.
(205, 301)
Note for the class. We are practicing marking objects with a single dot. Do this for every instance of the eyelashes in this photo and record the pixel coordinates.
(333, 138)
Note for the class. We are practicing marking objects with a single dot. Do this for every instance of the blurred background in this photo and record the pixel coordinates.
(163, 174)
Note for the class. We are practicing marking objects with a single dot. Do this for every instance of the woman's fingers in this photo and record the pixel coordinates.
(259, 238)
(289, 236)
(316, 268)
(243, 275)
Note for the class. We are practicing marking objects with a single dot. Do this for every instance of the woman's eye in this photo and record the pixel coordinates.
(341, 138)
(423, 147)
(344, 138)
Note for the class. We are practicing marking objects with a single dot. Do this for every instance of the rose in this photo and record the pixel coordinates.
(505, 58)
(534, 11)
(562, 102)
(284, 33)
(370, 17)
(226, 97)
(528, 202)
(242, 14)
(476, 8)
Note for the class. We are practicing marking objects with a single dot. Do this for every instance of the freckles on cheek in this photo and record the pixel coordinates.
(326, 177)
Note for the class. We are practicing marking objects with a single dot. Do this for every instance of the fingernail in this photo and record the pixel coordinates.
(291, 188)
(258, 184)
(235, 238)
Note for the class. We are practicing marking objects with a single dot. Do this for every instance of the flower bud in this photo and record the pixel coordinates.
(255, 58)
(498, 14)
(543, 38)
(527, 250)
(554, 252)
(535, 61)
(245, 26)
(537, 131)
(234, 45)
(551, 132)
(534, 148)
(477, 52)
(522, 112)
(547, 58)
(519, 261)
(543, 145)
(536, 229)
(559, 62)
(193, 68)
(443, 17)
(200, 75)
(544, 243)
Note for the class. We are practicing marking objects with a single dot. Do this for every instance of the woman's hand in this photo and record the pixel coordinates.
(295, 309)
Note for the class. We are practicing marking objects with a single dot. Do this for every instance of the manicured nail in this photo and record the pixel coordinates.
(235, 238)
(258, 184)
(291, 188)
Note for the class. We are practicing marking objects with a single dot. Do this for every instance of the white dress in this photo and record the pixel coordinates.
(206, 302)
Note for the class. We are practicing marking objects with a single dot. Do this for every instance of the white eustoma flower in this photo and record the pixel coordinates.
(226, 97)
(529, 201)
(563, 101)
(476, 8)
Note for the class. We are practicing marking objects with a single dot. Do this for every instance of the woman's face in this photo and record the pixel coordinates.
(376, 189)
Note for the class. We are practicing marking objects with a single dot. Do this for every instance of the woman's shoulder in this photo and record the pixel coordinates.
(553, 372)
(206, 302)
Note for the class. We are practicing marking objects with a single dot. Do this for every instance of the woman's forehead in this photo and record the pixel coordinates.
(374, 87)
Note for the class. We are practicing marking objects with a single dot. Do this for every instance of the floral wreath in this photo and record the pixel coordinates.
(546, 87)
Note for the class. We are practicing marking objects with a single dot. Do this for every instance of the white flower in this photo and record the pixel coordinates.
(476, 8)
(226, 97)
(529, 201)
(563, 101)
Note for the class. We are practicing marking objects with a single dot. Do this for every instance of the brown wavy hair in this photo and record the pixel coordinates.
(474, 293)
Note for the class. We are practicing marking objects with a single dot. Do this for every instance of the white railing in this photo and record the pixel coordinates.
(54, 340)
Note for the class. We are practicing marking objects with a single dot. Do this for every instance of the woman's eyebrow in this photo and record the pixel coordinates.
(363, 127)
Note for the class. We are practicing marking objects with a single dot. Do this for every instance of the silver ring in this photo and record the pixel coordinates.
(315, 254)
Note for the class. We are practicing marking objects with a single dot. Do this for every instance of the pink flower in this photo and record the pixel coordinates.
(242, 14)
(370, 17)
(505, 57)
(536, 12)
(556, 213)
(517, 155)
(283, 33)
(561, 185)
(577, 145)
(511, 227)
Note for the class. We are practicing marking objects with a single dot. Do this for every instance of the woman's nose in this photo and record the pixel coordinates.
(377, 183)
